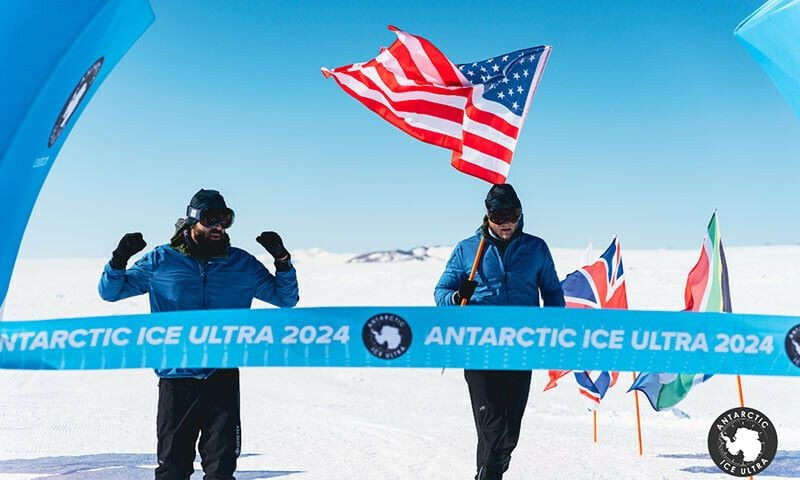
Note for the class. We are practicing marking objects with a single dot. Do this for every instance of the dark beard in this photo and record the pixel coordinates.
(204, 248)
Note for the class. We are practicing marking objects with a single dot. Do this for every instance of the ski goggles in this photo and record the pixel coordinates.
(504, 215)
(215, 217)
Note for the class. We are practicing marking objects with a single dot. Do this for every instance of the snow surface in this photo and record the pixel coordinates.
(326, 424)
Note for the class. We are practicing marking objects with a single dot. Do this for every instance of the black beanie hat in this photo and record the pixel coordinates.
(502, 196)
(202, 201)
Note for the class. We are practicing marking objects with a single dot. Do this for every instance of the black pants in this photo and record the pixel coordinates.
(498, 402)
(189, 407)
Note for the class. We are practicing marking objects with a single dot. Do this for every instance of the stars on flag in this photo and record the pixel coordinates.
(513, 72)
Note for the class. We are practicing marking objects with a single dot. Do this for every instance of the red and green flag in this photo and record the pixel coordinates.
(707, 290)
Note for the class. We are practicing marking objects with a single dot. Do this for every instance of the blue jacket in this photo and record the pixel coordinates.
(525, 270)
(176, 281)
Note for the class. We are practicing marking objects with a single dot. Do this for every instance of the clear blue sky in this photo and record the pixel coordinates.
(649, 116)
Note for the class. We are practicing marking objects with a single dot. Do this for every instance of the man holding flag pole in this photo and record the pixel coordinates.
(514, 269)
(475, 110)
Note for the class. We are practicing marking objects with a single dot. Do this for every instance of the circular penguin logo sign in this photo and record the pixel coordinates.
(793, 345)
(386, 336)
(742, 442)
(78, 93)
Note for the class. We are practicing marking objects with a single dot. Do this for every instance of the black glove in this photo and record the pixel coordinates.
(465, 291)
(273, 244)
(129, 245)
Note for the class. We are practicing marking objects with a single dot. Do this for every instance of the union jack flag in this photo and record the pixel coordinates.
(476, 109)
(594, 385)
(599, 285)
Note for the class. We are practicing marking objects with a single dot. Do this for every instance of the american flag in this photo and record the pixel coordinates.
(474, 109)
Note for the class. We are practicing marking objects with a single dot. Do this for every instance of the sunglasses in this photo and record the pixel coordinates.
(217, 217)
(505, 215)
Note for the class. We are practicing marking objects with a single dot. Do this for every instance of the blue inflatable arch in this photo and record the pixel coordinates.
(54, 57)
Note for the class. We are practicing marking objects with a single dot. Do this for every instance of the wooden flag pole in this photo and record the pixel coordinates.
(638, 417)
(475, 264)
(595, 425)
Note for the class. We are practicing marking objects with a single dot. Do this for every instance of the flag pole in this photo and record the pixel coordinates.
(474, 269)
(595, 425)
(741, 395)
(638, 417)
(475, 264)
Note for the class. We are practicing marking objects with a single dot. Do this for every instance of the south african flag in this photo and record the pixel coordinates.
(707, 290)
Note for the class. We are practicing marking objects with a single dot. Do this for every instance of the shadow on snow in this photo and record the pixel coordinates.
(109, 466)
(786, 464)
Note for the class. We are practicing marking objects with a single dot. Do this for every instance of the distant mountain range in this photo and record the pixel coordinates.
(421, 253)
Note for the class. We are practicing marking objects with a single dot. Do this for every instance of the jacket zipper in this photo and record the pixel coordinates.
(503, 267)
(501, 260)
(204, 276)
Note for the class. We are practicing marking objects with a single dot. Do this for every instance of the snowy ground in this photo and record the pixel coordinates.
(326, 424)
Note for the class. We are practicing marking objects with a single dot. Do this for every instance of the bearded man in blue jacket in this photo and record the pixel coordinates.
(514, 269)
(199, 270)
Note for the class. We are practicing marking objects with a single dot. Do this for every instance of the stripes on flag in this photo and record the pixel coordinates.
(475, 110)
(707, 287)
(665, 390)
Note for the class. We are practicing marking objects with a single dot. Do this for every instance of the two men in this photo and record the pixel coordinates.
(514, 269)
(199, 270)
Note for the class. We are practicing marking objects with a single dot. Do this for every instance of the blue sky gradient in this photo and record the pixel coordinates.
(649, 116)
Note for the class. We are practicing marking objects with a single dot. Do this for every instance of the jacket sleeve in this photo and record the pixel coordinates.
(280, 289)
(451, 279)
(119, 284)
(549, 285)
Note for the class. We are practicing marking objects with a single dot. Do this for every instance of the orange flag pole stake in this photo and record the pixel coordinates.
(595, 426)
(638, 417)
(741, 397)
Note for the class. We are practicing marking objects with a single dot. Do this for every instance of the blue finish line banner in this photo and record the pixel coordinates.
(475, 337)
